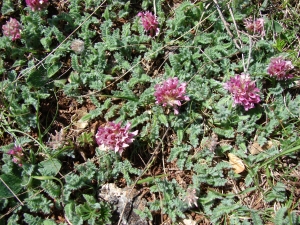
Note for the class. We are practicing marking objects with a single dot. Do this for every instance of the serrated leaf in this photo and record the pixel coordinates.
(46, 42)
(256, 218)
(9, 185)
(179, 136)
(7, 7)
(71, 214)
(49, 167)
(32, 220)
(163, 119)
(279, 216)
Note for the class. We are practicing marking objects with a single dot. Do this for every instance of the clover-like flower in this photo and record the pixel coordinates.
(170, 93)
(77, 46)
(114, 137)
(280, 68)
(12, 29)
(149, 22)
(255, 26)
(191, 197)
(17, 153)
(37, 5)
(243, 90)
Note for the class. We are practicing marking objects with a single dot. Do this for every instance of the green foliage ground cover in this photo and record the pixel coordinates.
(204, 44)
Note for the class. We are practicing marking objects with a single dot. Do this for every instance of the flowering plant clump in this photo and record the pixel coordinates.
(169, 93)
(17, 153)
(279, 68)
(243, 90)
(113, 136)
(37, 5)
(12, 29)
(255, 26)
(149, 22)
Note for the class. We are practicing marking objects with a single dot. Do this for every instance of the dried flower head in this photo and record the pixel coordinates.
(191, 197)
(149, 22)
(37, 5)
(170, 93)
(17, 153)
(58, 140)
(280, 68)
(243, 90)
(77, 46)
(255, 26)
(115, 137)
(12, 29)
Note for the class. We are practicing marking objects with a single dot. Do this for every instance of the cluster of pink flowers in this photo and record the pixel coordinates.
(280, 68)
(115, 137)
(17, 153)
(255, 26)
(12, 29)
(149, 22)
(170, 93)
(37, 5)
(243, 90)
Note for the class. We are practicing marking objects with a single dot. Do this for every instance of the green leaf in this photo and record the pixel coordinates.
(179, 136)
(13, 219)
(47, 178)
(106, 14)
(71, 214)
(279, 217)
(60, 83)
(46, 42)
(256, 218)
(277, 28)
(49, 167)
(49, 222)
(75, 64)
(37, 78)
(51, 188)
(53, 69)
(7, 7)
(32, 220)
(151, 179)
(163, 119)
(9, 185)
(19, 62)
(37, 202)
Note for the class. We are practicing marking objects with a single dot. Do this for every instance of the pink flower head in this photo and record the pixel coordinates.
(37, 5)
(279, 68)
(170, 94)
(113, 136)
(149, 22)
(255, 26)
(243, 90)
(17, 153)
(12, 29)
